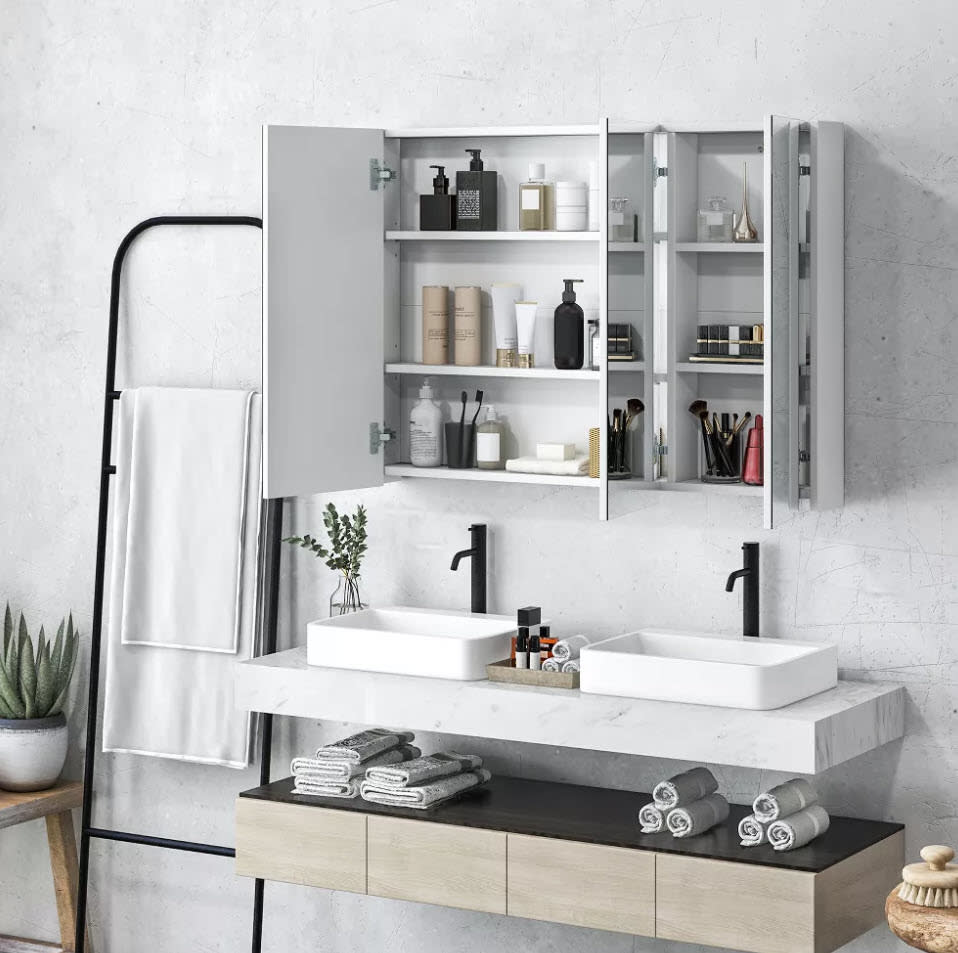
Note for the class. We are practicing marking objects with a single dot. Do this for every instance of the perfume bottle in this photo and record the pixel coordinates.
(437, 212)
(715, 221)
(535, 201)
(595, 354)
(477, 197)
(744, 230)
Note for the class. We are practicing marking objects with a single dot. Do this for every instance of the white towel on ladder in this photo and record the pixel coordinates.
(178, 702)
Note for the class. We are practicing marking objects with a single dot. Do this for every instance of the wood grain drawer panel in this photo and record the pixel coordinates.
(301, 845)
(737, 906)
(437, 863)
(608, 888)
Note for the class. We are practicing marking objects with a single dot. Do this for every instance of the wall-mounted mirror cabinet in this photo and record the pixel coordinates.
(684, 312)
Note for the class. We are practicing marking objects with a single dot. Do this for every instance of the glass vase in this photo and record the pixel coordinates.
(347, 597)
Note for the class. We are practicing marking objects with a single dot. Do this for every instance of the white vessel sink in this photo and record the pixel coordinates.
(700, 669)
(404, 641)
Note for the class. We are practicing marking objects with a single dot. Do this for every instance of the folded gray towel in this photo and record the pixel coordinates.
(697, 817)
(551, 665)
(416, 772)
(315, 788)
(569, 648)
(651, 819)
(365, 745)
(752, 831)
(320, 769)
(573, 665)
(426, 795)
(684, 788)
(785, 799)
(799, 828)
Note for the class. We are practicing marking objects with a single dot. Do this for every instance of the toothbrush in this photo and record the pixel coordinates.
(475, 416)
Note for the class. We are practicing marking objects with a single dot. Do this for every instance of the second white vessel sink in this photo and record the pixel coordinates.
(405, 641)
(700, 669)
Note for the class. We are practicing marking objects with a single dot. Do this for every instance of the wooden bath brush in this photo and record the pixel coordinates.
(923, 910)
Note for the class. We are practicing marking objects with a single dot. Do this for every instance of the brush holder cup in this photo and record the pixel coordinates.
(718, 474)
(460, 446)
(619, 462)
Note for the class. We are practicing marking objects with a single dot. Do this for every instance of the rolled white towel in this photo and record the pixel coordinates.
(425, 795)
(364, 745)
(438, 765)
(327, 770)
(316, 788)
(697, 817)
(651, 819)
(783, 800)
(572, 665)
(569, 648)
(799, 828)
(752, 831)
(551, 665)
(684, 788)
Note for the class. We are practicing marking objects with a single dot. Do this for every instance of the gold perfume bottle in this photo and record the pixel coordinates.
(744, 231)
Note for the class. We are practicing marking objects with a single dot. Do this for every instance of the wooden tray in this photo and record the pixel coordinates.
(506, 671)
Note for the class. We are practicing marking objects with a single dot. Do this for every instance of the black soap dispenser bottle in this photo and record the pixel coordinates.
(437, 212)
(477, 198)
(569, 330)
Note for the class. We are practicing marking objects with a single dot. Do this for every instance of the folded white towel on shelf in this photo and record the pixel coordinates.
(566, 649)
(551, 665)
(425, 795)
(170, 702)
(799, 828)
(578, 466)
(320, 769)
(698, 817)
(752, 831)
(651, 819)
(684, 788)
(422, 769)
(316, 788)
(573, 665)
(364, 745)
(785, 799)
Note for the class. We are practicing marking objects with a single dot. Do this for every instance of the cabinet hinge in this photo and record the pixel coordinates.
(804, 456)
(379, 435)
(660, 450)
(659, 171)
(379, 175)
(804, 170)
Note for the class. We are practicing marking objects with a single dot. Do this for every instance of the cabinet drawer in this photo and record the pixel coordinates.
(437, 863)
(301, 845)
(609, 888)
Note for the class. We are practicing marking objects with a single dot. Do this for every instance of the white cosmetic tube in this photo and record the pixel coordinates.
(526, 328)
(504, 298)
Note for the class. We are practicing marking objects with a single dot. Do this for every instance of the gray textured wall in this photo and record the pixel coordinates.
(112, 111)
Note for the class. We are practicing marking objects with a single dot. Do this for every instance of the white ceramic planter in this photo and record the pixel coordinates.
(32, 752)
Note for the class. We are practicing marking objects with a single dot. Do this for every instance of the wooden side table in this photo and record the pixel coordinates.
(54, 805)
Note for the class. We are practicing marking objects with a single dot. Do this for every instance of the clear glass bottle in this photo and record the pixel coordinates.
(594, 344)
(621, 221)
(489, 442)
(535, 201)
(716, 221)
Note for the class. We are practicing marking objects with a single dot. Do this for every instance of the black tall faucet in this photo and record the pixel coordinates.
(750, 576)
(477, 553)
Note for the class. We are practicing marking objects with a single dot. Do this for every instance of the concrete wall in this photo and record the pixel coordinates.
(112, 112)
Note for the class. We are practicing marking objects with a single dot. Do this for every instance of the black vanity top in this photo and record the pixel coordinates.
(601, 816)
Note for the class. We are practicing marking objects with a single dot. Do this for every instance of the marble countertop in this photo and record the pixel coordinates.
(806, 737)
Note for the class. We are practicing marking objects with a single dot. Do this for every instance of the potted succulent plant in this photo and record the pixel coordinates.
(33, 688)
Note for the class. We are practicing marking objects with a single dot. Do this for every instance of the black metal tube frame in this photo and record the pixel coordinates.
(269, 580)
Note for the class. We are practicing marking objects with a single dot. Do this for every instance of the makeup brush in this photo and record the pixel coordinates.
(475, 416)
(635, 407)
(700, 409)
(739, 424)
(724, 460)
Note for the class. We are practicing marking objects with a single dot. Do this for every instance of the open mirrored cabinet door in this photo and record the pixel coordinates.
(323, 276)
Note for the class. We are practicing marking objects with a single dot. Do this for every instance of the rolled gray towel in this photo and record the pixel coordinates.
(425, 795)
(697, 817)
(651, 819)
(799, 828)
(315, 788)
(573, 665)
(364, 745)
(783, 800)
(321, 769)
(551, 665)
(566, 649)
(684, 788)
(412, 773)
(752, 831)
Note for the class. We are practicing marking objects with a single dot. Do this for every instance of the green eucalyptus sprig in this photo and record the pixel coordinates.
(34, 685)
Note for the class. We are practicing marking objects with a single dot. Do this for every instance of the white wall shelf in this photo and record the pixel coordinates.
(807, 737)
(638, 247)
(619, 367)
(489, 476)
(753, 248)
(714, 367)
(527, 373)
(393, 235)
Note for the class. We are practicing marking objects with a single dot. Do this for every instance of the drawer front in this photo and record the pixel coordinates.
(738, 906)
(301, 845)
(437, 863)
(588, 885)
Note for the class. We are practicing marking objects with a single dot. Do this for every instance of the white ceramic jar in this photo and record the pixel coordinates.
(572, 213)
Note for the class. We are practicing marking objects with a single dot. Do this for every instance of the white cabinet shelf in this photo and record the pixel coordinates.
(620, 367)
(710, 367)
(525, 373)
(489, 476)
(737, 248)
(637, 247)
(454, 236)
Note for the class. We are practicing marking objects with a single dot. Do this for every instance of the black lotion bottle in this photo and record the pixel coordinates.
(437, 212)
(477, 198)
(569, 330)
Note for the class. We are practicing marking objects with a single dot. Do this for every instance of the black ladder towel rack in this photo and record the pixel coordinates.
(267, 621)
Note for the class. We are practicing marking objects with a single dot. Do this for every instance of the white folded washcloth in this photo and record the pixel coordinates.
(698, 817)
(651, 819)
(324, 769)
(315, 788)
(425, 795)
(569, 648)
(551, 665)
(422, 769)
(364, 745)
(785, 799)
(572, 665)
(799, 828)
(752, 831)
(578, 466)
(684, 788)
